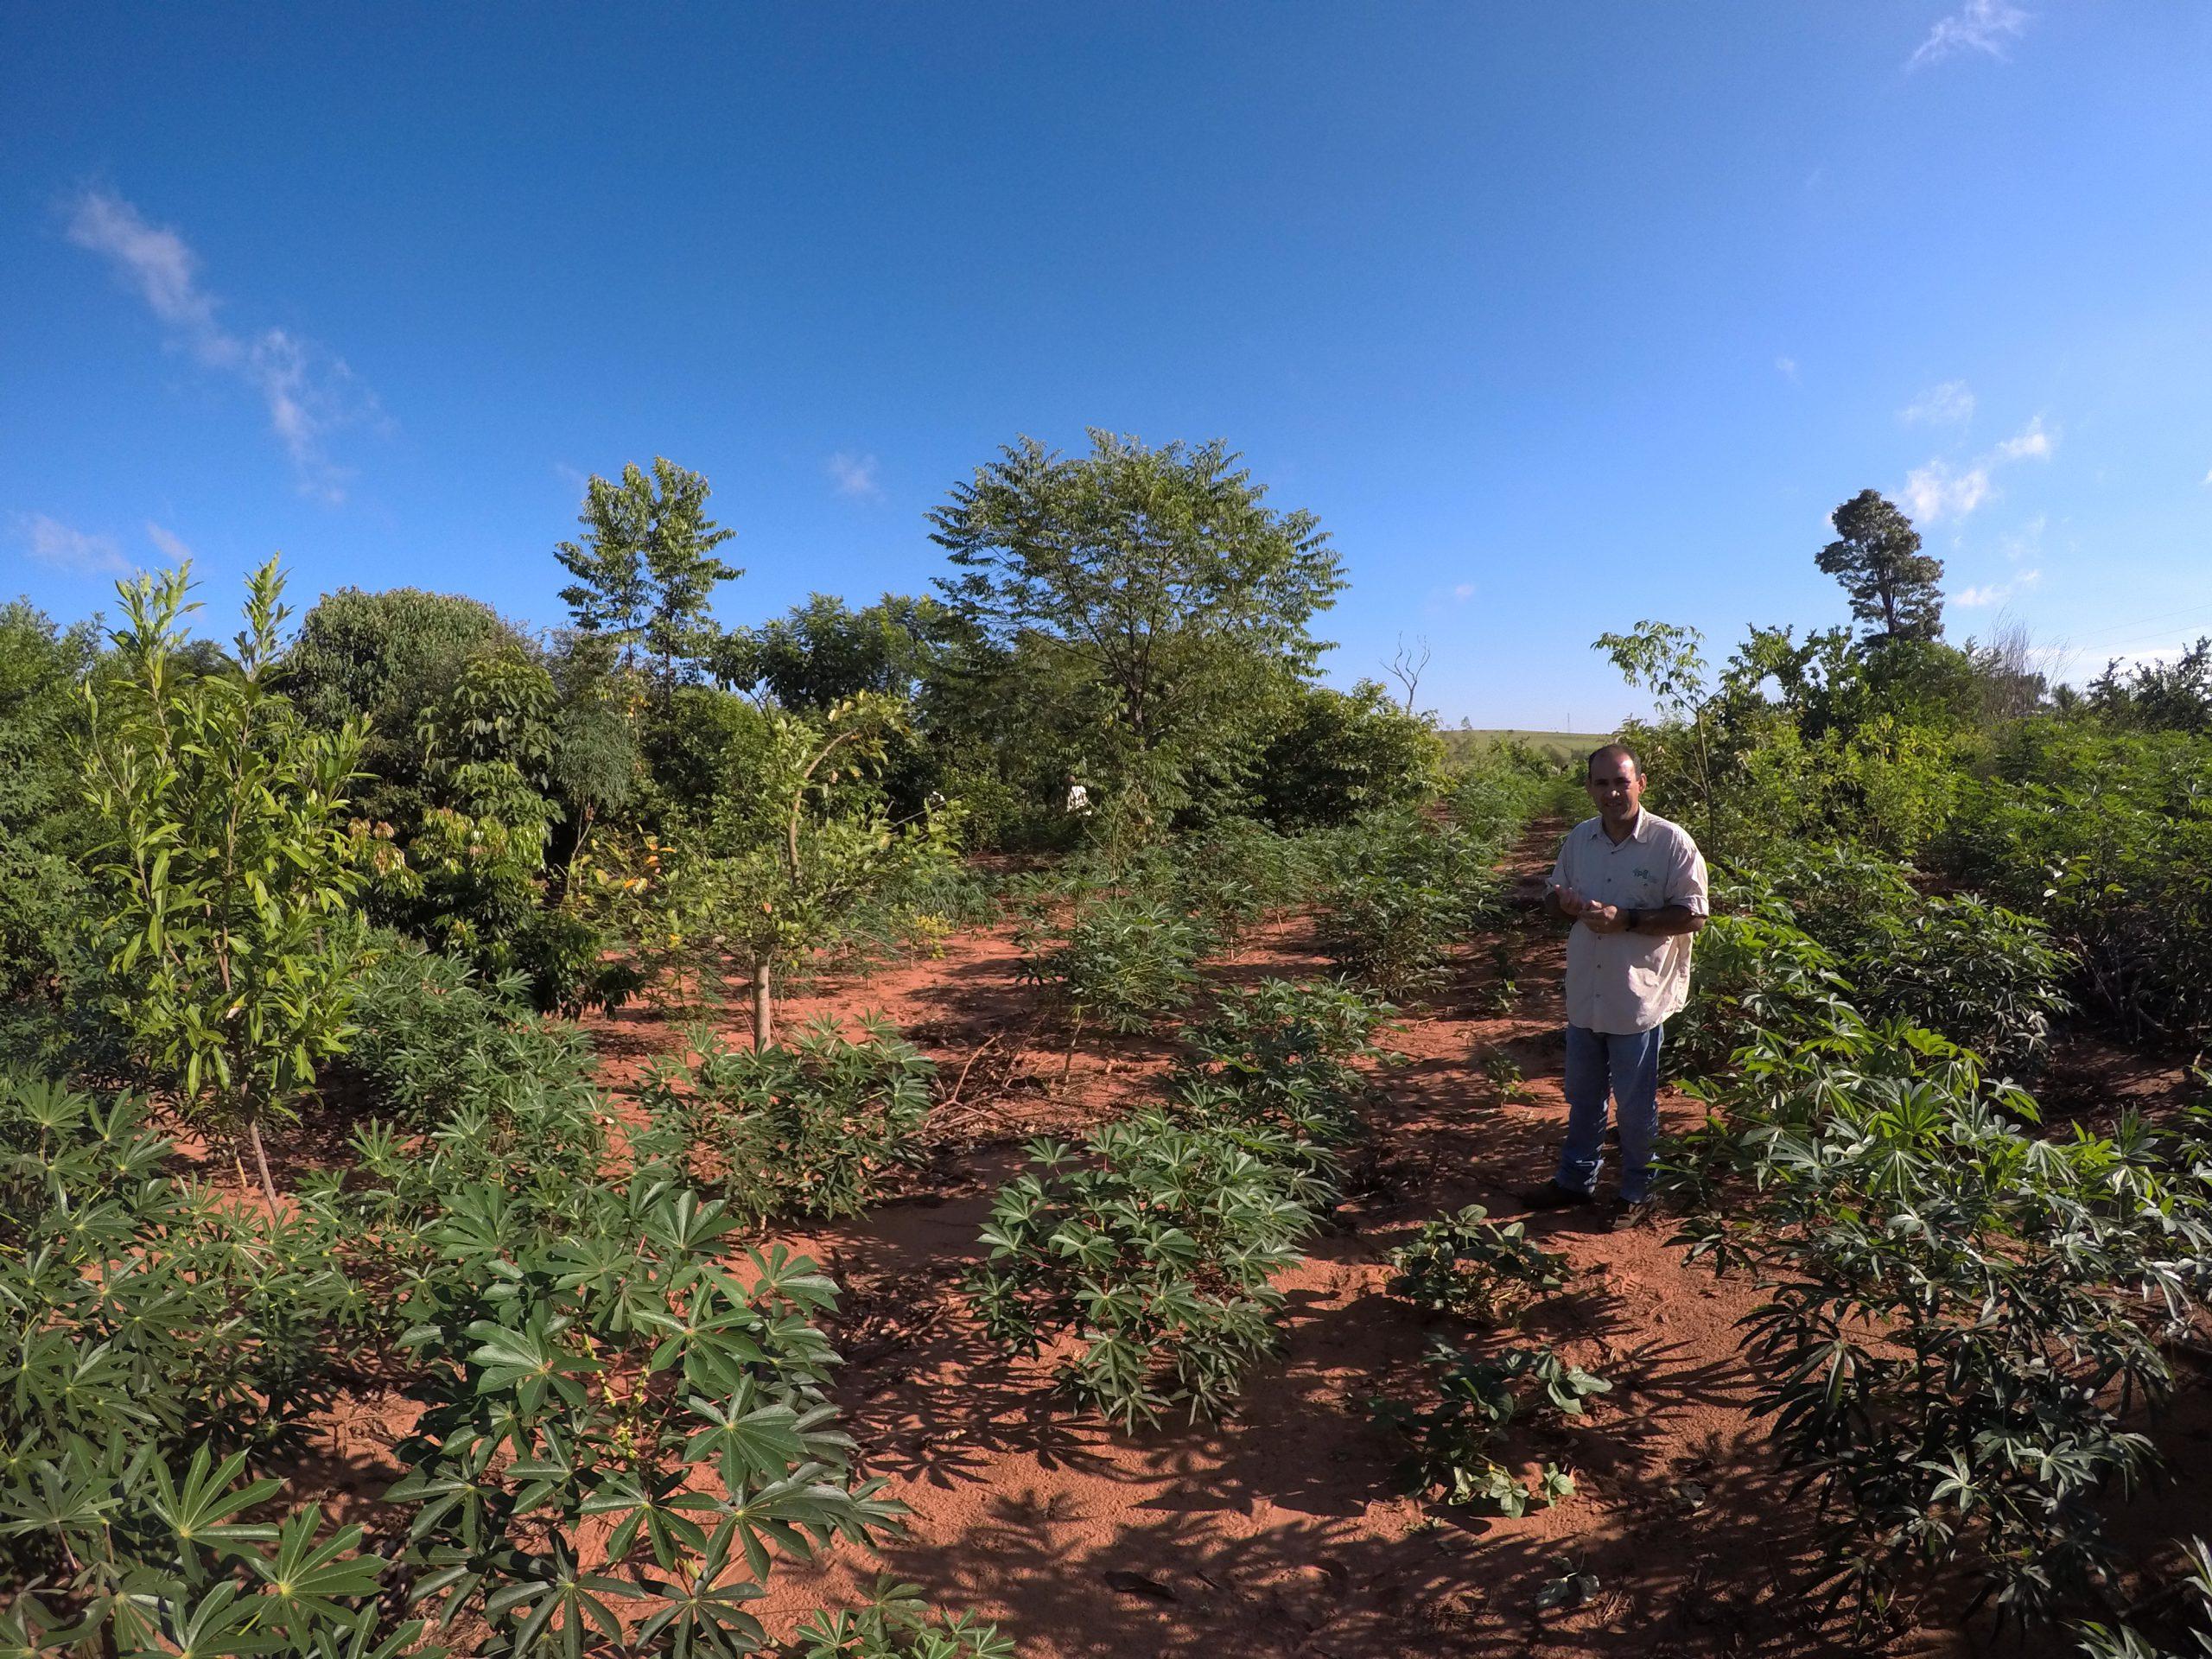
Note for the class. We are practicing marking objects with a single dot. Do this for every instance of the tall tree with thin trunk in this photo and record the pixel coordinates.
(225, 885)
(1891, 583)
(645, 569)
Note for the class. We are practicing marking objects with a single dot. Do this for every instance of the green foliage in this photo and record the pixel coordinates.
(1450, 1442)
(1154, 1255)
(2108, 838)
(40, 884)
(1234, 875)
(825, 653)
(1117, 961)
(897, 1625)
(811, 1126)
(1283, 1058)
(435, 1037)
(645, 569)
(225, 882)
(1956, 1326)
(1394, 893)
(801, 852)
(1154, 605)
(1890, 582)
(1340, 755)
(1468, 1265)
(1831, 927)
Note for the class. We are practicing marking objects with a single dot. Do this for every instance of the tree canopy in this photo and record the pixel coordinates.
(1877, 557)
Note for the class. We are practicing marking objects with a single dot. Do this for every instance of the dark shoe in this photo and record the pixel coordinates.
(1551, 1196)
(1623, 1217)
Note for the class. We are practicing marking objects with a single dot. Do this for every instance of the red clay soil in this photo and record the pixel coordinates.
(1284, 1530)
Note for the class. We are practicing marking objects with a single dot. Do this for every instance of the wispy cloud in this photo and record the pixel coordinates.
(67, 548)
(1949, 405)
(1786, 367)
(308, 393)
(1996, 592)
(2033, 444)
(854, 476)
(1464, 592)
(1935, 492)
(1942, 489)
(1984, 26)
(171, 545)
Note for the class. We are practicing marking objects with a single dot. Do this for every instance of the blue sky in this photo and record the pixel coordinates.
(1559, 316)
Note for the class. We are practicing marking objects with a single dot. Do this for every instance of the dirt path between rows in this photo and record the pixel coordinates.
(1284, 1530)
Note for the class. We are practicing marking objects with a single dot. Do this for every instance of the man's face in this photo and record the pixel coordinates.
(1616, 788)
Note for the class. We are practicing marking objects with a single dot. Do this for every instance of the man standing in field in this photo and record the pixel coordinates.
(1633, 884)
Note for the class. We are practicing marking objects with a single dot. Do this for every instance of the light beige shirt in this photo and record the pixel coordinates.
(1624, 982)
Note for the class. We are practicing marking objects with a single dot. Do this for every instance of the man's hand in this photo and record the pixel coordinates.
(1603, 918)
(1570, 902)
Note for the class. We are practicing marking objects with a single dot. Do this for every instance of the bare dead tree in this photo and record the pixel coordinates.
(1407, 666)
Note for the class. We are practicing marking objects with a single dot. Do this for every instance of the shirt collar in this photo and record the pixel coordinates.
(1641, 830)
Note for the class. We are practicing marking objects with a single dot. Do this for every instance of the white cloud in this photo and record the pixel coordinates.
(2033, 444)
(1996, 592)
(171, 545)
(1949, 405)
(1465, 590)
(1786, 367)
(854, 476)
(1982, 26)
(51, 542)
(1935, 492)
(1940, 490)
(2208, 475)
(308, 393)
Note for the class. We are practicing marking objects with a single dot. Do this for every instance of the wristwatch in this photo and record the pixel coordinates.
(1629, 917)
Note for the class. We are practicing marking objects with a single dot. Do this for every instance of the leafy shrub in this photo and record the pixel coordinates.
(225, 876)
(808, 1127)
(1478, 1400)
(150, 1330)
(1957, 1313)
(2108, 838)
(1282, 1056)
(1233, 876)
(1116, 961)
(1753, 976)
(1155, 1254)
(1396, 893)
(896, 1625)
(1986, 977)
(1467, 1265)
(434, 1037)
(1341, 755)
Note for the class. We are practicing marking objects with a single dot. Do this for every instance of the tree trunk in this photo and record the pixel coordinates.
(763, 1007)
(261, 1161)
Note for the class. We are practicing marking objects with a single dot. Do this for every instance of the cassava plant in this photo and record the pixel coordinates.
(1468, 1265)
(223, 887)
(1154, 1248)
(1450, 1442)
(1963, 1312)
(811, 1126)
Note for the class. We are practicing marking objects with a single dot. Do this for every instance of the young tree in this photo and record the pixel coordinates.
(645, 569)
(225, 879)
(811, 849)
(1159, 572)
(1891, 583)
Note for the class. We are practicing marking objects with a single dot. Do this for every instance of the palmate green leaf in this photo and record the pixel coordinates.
(308, 1578)
(706, 1614)
(552, 1605)
(197, 1511)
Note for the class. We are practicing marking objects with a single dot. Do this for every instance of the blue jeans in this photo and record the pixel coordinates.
(1598, 1063)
